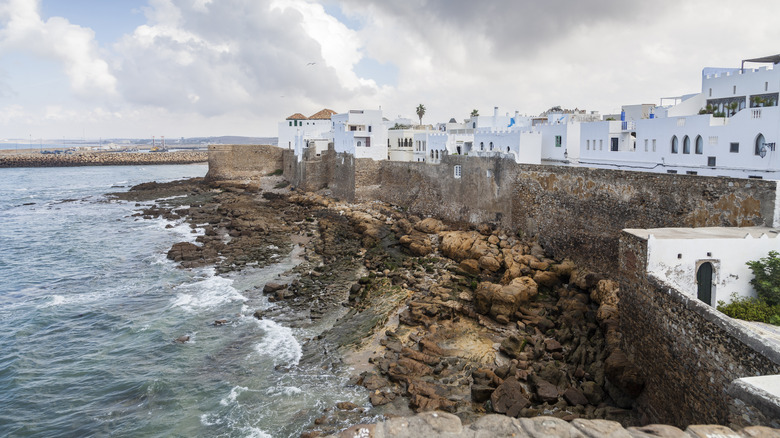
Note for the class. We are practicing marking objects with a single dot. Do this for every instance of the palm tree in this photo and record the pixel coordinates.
(420, 112)
(474, 113)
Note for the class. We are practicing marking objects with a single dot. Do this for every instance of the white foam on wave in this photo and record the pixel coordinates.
(284, 390)
(56, 300)
(206, 294)
(254, 432)
(211, 420)
(233, 396)
(279, 343)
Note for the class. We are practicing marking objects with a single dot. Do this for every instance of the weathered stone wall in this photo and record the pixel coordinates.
(688, 353)
(580, 212)
(228, 162)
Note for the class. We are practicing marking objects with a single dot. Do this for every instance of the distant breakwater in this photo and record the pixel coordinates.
(102, 159)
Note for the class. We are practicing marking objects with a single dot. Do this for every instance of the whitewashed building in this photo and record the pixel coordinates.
(707, 263)
(401, 144)
(730, 129)
(362, 133)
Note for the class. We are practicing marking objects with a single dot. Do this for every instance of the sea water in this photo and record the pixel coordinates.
(90, 308)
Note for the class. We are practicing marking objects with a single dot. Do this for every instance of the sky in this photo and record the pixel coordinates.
(188, 68)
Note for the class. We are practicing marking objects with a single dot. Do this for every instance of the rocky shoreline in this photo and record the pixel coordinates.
(102, 159)
(430, 316)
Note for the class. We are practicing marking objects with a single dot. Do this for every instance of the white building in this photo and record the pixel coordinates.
(362, 133)
(309, 131)
(707, 263)
(401, 144)
(728, 129)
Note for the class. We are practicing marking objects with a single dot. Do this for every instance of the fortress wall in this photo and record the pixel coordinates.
(688, 353)
(227, 162)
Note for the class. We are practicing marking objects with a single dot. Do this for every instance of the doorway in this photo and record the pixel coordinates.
(704, 282)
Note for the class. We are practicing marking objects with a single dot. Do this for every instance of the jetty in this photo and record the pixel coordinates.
(101, 159)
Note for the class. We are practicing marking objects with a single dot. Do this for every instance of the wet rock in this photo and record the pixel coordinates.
(220, 322)
(513, 346)
(347, 406)
(379, 398)
(259, 314)
(184, 251)
(270, 288)
(373, 382)
(182, 339)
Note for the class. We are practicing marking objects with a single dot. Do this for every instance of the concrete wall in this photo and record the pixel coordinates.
(688, 353)
(228, 162)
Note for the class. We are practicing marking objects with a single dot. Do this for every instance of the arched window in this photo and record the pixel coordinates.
(686, 145)
(491, 145)
(507, 149)
(699, 145)
(674, 144)
(360, 143)
(482, 145)
(759, 144)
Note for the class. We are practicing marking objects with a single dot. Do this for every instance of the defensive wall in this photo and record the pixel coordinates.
(227, 161)
(689, 354)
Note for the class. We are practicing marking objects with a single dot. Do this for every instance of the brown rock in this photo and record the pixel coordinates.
(184, 251)
(270, 288)
(489, 263)
(509, 398)
(430, 226)
(623, 373)
(575, 397)
(546, 278)
(379, 398)
(469, 266)
(606, 292)
(347, 406)
(481, 393)
(545, 391)
(552, 345)
(513, 346)
(593, 392)
(373, 382)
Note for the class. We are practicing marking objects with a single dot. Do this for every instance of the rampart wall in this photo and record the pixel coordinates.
(227, 161)
(689, 353)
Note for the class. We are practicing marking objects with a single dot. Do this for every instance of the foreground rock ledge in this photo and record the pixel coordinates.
(442, 424)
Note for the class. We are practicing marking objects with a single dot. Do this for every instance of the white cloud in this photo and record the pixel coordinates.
(72, 46)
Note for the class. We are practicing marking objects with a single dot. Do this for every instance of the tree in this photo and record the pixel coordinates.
(767, 277)
(474, 113)
(420, 112)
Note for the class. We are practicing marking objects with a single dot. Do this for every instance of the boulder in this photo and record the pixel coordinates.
(270, 288)
(184, 252)
(606, 292)
(546, 278)
(509, 398)
(545, 391)
(469, 266)
(430, 226)
(623, 374)
(347, 406)
(457, 245)
(574, 397)
(513, 346)
(489, 263)
(379, 398)
(583, 279)
(593, 392)
(481, 393)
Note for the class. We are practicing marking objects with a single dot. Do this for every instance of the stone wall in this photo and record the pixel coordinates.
(575, 212)
(228, 162)
(689, 354)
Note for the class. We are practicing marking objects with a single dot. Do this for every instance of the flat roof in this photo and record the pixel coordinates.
(703, 232)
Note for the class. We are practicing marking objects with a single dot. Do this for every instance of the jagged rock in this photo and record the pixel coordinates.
(552, 345)
(546, 278)
(623, 374)
(583, 279)
(509, 398)
(481, 393)
(513, 346)
(469, 266)
(373, 382)
(418, 244)
(379, 398)
(489, 263)
(184, 252)
(460, 245)
(575, 397)
(430, 226)
(593, 392)
(347, 406)
(503, 301)
(270, 288)
(606, 293)
(545, 391)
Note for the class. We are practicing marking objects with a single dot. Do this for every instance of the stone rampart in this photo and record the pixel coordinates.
(689, 353)
(228, 162)
(101, 159)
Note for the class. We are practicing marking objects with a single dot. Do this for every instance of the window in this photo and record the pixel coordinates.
(710, 92)
(491, 145)
(558, 141)
(735, 89)
(759, 144)
(711, 161)
(692, 172)
(369, 128)
(671, 171)
(587, 145)
(615, 144)
(766, 86)
(290, 123)
(360, 143)
(674, 144)
(507, 149)
(482, 145)
(713, 140)
(646, 145)
(734, 147)
(457, 171)
(601, 145)
(653, 145)
(686, 145)
(699, 145)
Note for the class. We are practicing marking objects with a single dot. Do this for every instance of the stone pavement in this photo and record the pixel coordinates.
(444, 425)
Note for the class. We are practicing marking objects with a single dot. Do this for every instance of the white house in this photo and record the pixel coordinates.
(401, 144)
(309, 131)
(362, 133)
(707, 263)
(730, 129)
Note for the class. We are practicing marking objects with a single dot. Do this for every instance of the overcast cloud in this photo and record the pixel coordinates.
(207, 67)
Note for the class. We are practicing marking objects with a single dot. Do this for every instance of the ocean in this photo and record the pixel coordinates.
(90, 308)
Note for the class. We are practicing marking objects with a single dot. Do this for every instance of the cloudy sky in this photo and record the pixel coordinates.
(138, 68)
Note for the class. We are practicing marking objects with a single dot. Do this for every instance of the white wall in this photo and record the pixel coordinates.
(727, 255)
(309, 130)
(368, 140)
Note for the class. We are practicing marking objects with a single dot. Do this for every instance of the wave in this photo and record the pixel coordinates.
(279, 343)
(206, 294)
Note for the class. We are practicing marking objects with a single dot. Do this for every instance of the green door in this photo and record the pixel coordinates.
(704, 280)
